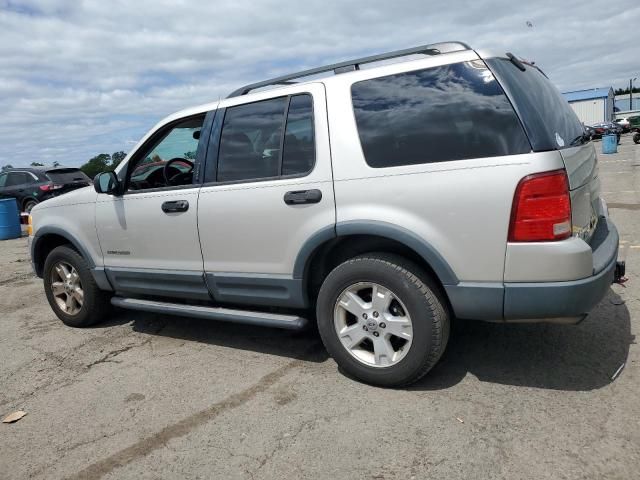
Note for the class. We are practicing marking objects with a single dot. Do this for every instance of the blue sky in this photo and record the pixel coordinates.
(78, 78)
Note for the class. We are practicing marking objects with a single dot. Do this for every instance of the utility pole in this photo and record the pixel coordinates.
(631, 80)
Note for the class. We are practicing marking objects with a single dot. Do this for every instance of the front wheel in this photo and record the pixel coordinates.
(636, 138)
(71, 290)
(382, 319)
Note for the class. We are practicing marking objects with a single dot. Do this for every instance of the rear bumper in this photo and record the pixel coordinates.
(554, 302)
(569, 299)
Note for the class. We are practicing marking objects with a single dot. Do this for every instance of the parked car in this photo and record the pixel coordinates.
(32, 185)
(634, 123)
(624, 124)
(378, 202)
(607, 128)
(590, 132)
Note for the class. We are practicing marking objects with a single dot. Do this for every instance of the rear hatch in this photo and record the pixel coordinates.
(68, 178)
(551, 124)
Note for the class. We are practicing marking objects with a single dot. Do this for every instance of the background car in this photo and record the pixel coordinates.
(606, 128)
(32, 185)
(590, 132)
(624, 123)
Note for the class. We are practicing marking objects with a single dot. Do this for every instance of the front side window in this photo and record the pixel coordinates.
(452, 112)
(267, 139)
(169, 160)
(3, 179)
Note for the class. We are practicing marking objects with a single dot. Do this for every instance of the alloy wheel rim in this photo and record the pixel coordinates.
(67, 288)
(373, 324)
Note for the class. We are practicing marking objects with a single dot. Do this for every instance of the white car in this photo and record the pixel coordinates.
(379, 202)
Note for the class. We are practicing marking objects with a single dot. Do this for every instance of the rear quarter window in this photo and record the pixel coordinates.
(69, 175)
(452, 112)
(549, 120)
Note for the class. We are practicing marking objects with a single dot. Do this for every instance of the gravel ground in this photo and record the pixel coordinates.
(146, 396)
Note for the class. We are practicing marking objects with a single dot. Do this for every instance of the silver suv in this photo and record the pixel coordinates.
(380, 198)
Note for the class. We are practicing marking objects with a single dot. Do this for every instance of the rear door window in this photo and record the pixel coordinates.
(549, 120)
(269, 139)
(452, 112)
(68, 175)
(19, 178)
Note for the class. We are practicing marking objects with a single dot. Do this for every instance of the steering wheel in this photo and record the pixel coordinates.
(180, 178)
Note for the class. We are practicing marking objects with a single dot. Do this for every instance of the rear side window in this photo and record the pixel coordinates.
(19, 178)
(452, 112)
(299, 147)
(267, 139)
(67, 175)
(549, 120)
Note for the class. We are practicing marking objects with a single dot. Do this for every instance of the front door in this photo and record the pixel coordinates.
(149, 234)
(268, 190)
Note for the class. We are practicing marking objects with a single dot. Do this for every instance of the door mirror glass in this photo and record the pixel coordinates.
(106, 182)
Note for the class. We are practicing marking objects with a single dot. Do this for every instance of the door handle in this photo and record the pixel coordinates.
(175, 206)
(299, 197)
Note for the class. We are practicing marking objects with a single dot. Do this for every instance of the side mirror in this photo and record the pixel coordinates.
(106, 182)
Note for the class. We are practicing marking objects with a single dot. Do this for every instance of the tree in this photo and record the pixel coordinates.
(56, 163)
(625, 91)
(116, 158)
(189, 155)
(99, 163)
(7, 167)
(37, 164)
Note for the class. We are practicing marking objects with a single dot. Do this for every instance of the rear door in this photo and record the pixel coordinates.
(551, 124)
(268, 190)
(19, 185)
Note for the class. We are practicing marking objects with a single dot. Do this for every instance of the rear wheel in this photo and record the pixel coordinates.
(636, 137)
(29, 204)
(71, 290)
(382, 319)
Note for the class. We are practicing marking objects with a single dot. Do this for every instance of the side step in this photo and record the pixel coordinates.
(263, 319)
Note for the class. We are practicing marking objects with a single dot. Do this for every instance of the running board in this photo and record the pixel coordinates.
(263, 319)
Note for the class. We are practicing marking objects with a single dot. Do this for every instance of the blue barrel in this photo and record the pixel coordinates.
(610, 144)
(9, 219)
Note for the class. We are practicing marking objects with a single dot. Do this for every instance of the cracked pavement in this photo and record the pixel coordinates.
(146, 396)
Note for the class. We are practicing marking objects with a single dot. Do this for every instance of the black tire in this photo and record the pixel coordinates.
(636, 138)
(29, 204)
(97, 303)
(423, 300)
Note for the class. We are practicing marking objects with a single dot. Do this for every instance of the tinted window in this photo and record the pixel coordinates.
(444, 113)
(19, 178)
(3, 179)
(549, 120)
(250, 141)
(67, 175)
(299, 146)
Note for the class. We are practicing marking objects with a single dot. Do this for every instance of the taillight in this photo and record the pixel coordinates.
(49, 187)
(541, 209)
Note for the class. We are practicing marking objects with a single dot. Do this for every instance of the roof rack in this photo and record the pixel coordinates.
(351, 65)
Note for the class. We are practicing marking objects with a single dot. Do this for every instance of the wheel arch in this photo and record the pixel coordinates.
(48, 238)
(325, 250)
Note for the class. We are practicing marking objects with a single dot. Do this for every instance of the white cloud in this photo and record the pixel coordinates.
(81, 78)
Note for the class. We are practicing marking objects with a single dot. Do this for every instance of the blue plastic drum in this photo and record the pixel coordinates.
(9, 219)
(610, 144)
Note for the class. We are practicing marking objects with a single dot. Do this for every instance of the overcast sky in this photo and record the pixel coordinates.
(78, 78)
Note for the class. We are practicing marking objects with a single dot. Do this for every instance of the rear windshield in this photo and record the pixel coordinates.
(549, 120)
(67, 175)
(452, 112)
